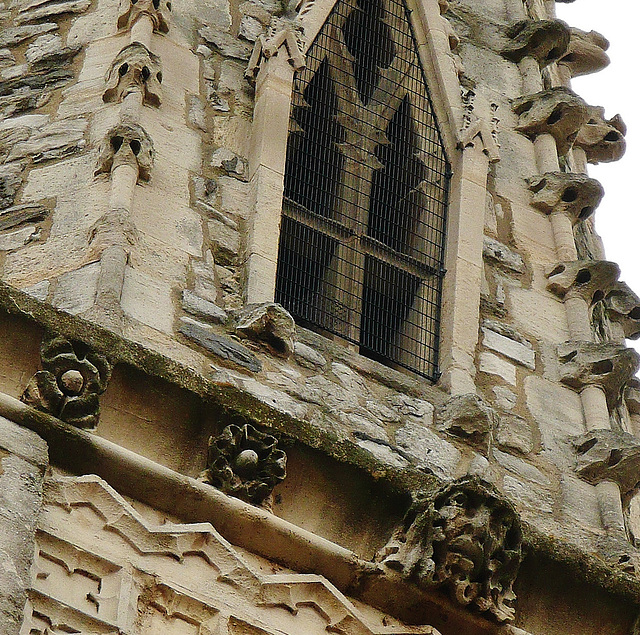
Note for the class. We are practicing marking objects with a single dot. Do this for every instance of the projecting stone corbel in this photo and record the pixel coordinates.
(135, 69)
(573, 195)
(543, 40)
(245, 463)
(585, 54)
(284, 32)
(590, 280)
(157, 10)
(127, 145)
(623, 307)
(466, 539)
(606, 365)
(558, 112)
(70, 383)
(601, 139)
(609, 455)
(269, 324)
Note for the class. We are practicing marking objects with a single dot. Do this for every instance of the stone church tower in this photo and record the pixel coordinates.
(304, 326)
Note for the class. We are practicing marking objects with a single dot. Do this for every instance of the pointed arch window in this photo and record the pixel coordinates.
(365, 192)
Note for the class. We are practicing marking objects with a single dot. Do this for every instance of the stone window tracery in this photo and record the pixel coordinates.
(365, 190)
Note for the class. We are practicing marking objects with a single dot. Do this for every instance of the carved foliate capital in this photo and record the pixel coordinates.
(589, 279)
(623, 306)
(284, 33)
(157, 10)
(127, 144)
(557, 111)
(245, 463)
(135, 68)
(70, 383)
(603, 140)
(607, 365)
(574, 195)
(466, 539)
(586, 53)
(609, 455)
(543, 40)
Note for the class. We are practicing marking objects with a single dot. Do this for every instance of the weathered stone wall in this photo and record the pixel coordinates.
(129, 197)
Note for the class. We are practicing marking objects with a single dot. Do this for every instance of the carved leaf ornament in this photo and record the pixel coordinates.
(70, 383)
(245, 463)
(467, 539)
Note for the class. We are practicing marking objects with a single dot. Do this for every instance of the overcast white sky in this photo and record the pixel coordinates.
(618, 90)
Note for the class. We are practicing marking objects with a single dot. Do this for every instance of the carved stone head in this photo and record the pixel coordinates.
(558, 112)
(157, 10)
(127, 144)
(543, 40)
(574, 195)
(135, 68)
(467, 539)
(589, 279)
(623, 306)
(586, 53)
(602, 139)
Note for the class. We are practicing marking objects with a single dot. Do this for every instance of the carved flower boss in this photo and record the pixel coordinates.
(70, 383)
(245, 463)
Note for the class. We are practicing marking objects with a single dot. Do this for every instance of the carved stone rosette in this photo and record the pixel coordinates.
(70, 383)
(467, 539)
(245, 463)
(544, 40)
(135, 68)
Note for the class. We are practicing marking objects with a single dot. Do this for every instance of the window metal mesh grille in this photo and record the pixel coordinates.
(366, 188)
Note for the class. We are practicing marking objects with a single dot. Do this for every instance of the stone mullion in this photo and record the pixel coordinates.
(345, 282)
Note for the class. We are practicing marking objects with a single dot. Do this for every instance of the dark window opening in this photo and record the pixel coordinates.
(366, 187)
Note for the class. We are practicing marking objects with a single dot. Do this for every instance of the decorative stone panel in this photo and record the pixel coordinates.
(70, 383)
(609, 455)
(607, 365)
(245, 463)
(574, 195)
(544, 40)
(135, 68)
(557, 111)
(589, 279)
(586, 53)
(127, 144)
(466, 539)
(623, 306)
(602, 139)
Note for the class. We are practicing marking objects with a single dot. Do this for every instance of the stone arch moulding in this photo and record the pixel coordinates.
(273, 70)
